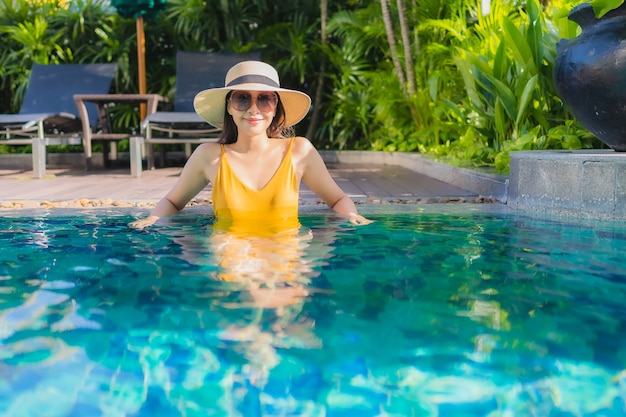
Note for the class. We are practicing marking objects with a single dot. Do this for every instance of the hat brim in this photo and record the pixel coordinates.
(210, 104)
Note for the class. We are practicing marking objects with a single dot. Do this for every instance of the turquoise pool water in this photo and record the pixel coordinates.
(427, 312)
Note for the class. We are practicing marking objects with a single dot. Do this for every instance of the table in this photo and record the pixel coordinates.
(151, 101)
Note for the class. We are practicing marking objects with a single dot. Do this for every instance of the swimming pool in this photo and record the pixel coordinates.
(433, 310)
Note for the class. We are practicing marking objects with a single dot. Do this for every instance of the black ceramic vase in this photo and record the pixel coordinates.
(590, 74)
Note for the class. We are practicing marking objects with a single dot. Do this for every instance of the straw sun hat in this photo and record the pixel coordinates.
(250, 76)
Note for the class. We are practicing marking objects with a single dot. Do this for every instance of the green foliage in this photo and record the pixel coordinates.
(46, 33)
(484, 83)
(510, 87)
(602, 7)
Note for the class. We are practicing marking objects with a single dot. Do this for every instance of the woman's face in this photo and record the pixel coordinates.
(252, 111)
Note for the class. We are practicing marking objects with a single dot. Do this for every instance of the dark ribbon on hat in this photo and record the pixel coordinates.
(253, 78)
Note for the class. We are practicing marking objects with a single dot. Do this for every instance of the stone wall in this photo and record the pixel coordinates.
(586, 183)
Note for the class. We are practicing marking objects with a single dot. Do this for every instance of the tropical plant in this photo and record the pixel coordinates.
(510, 87)
(48, 33)
(602, 7)
(319, 88)
(354, 54)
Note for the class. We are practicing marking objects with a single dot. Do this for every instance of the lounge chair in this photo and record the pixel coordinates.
(48, 113)
(195, 71)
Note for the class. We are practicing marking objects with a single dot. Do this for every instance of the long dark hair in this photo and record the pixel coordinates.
(277, 128)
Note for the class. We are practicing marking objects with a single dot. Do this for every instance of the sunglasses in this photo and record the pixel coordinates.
(242, 101)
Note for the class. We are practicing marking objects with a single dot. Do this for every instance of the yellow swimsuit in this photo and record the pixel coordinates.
(273, 208)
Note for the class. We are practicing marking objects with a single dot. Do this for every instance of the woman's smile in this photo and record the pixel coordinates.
(254, 120)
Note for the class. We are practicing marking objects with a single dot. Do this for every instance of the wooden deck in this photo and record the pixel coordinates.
(371, 183)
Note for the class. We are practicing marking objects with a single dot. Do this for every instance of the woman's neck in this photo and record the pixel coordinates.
(251, 144)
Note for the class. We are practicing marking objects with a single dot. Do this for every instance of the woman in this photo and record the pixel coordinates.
(257, 165)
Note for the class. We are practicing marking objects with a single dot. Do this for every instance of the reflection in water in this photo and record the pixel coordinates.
(266, 269)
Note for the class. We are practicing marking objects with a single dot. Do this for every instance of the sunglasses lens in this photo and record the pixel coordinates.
(266, 102)
(243, 101)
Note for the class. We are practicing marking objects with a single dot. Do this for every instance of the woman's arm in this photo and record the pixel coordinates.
(197, 173)
(316, 176)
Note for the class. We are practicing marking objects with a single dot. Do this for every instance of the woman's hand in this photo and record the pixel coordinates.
(142, 223)
(358, 220)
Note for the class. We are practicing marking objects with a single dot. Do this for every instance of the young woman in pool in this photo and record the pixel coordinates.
(257, 165)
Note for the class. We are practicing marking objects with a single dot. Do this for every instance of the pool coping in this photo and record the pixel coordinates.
(589, 183)
(481, 182)
(584, 184)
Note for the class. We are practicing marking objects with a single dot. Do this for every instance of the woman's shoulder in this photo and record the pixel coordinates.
(302, 144)
(210, 148)
(303, 150)
(209, 151)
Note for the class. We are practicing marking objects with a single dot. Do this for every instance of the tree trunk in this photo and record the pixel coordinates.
(141, 63)
(406, 42)
(319, 90)
(392, 44)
